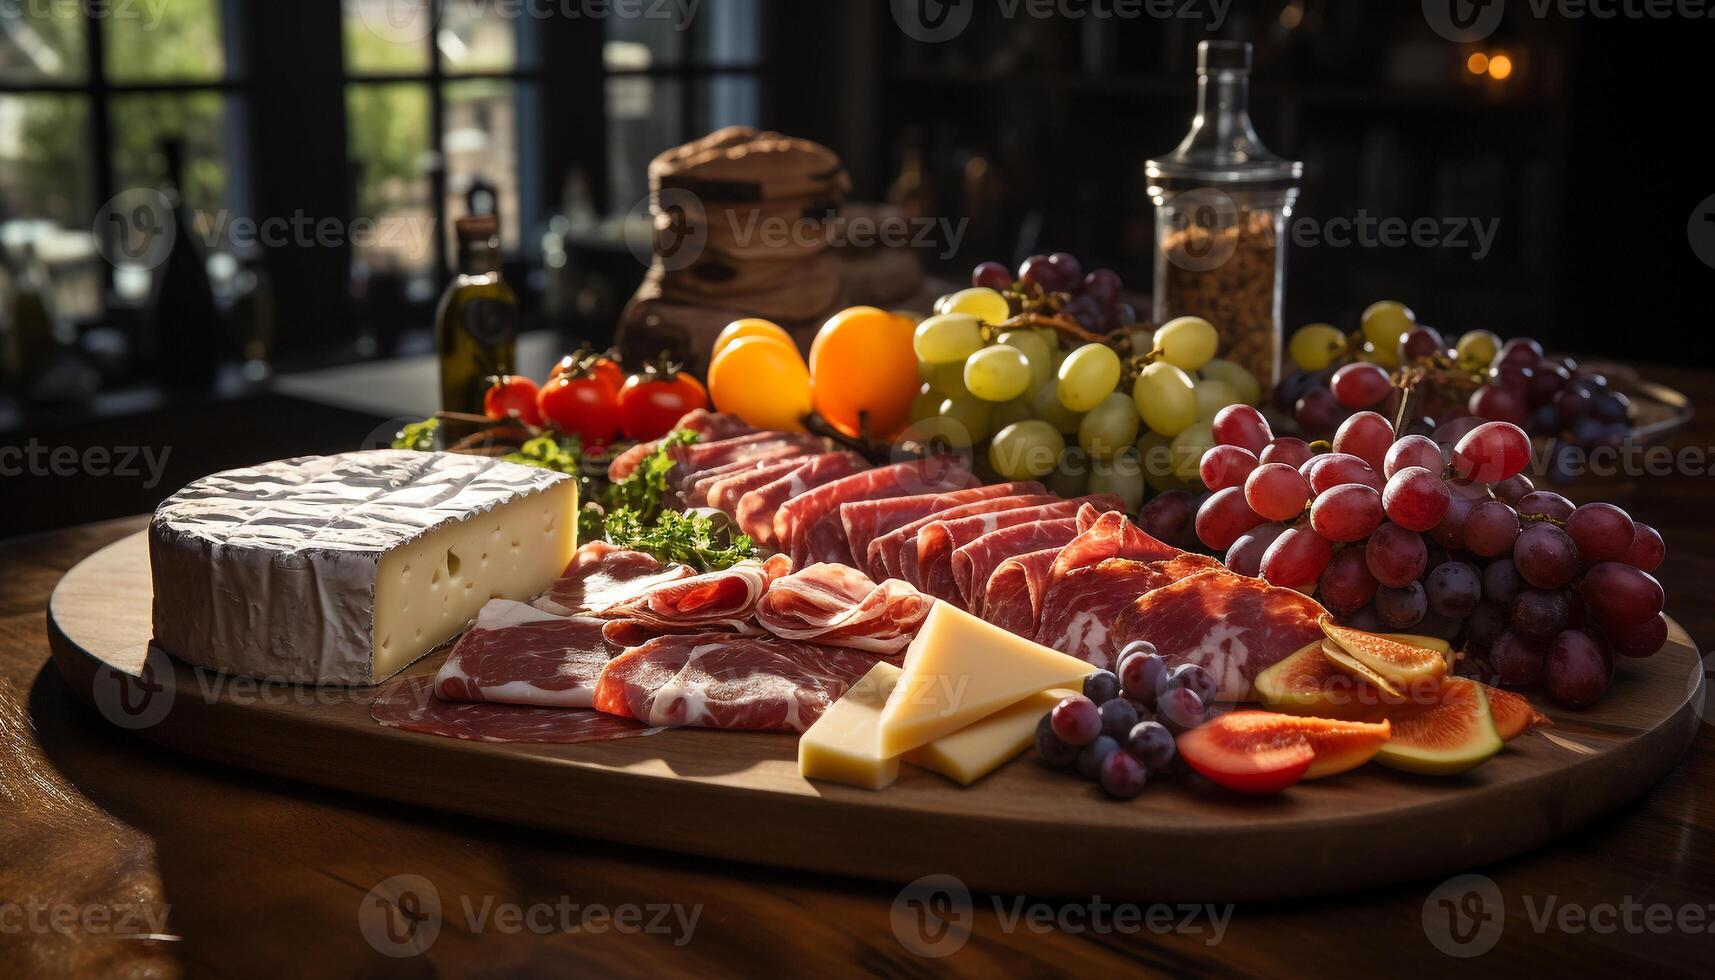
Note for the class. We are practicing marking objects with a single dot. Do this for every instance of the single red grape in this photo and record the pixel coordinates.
(1414, 451)
(1296, 558)
(1242, 426)
(1367, 436)
(1276, 491)
(1620, 595)
(1513, 488)
(1346, 584)
(991, 275)
(1576, 670)
(1225, 516)
(1496, 403)
(1316, 411)
(1539, 504)
(1330, 470)
(1226, 466)
(1602, 532)
(1546, 556)
(1538, 614)
(1638, 640)
(1347, 513)
(1415, 499)
(1286, 449)
(1492, 452)
(1245, 555)
(1518, 664)
(1491, 528)
(1077, 720)
(1360, 385)
(1395, 556)
(1646, 550)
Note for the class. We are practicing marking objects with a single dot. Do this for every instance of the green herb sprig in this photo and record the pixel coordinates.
(687, 538)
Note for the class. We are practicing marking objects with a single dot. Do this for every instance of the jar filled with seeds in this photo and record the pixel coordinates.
(1221, 205)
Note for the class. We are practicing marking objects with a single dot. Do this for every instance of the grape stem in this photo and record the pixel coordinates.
(815, 424)
(1053, 321)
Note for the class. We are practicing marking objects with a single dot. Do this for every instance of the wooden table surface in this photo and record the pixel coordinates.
(119, 858)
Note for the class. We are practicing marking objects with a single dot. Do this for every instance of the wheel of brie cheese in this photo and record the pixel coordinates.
(345, 569)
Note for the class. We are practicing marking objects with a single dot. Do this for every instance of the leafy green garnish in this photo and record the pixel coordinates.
(418, 436)
(646, 487)
(549, 453)
(687, 538)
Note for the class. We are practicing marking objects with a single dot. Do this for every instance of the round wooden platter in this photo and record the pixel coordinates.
(1026, 829)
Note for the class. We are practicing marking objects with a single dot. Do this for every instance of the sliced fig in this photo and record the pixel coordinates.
(1448, 733)
(1400, 664)
(1337, 655)
(1512, 713)
(1262, 751)
(1308, 683)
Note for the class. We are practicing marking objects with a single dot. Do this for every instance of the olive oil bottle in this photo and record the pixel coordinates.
(476, 328)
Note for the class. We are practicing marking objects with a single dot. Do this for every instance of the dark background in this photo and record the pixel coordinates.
(1591, 155)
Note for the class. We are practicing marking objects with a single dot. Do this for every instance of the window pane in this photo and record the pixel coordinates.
(642, 41)
(41, 42)
(643, 120)
(388, 132)
(482, 146)
(387, 35)
(143, 124)
(44, 169)
(729, 101)
(479, 35)
(152, 41)
(731, 32)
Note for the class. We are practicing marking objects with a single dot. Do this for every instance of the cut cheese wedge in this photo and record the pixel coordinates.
(843, 746)
(959, 670)
(978, 749)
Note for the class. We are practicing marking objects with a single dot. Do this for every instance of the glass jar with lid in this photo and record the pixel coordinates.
(1221, 205)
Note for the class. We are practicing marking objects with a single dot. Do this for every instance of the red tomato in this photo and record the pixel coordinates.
(512, 396)
(586, 407)
(650, 403)
(584, 362)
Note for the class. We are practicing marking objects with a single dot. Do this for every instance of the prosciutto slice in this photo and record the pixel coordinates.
(520, 655)
(693, 488)
(725, 599)
(932, 570)
(702, 457)
(756, 509)
(601, 575)
(1080, 607)
(974, 563)
(709, 425)
(1013, 598)
(718, 680)
(889, 553)
(838, 605)
(409, 703)
(795, 518)
(725, 491)
(866, 520)
(1234, 626)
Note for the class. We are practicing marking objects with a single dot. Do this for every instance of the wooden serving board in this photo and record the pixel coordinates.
(1023, 829)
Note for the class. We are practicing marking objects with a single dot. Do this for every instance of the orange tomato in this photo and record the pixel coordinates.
(862, 363)
(763, 381)
(748, 327)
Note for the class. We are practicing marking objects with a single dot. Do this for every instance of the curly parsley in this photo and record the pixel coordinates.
(687, 538)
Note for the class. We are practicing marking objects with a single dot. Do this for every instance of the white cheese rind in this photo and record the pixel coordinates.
(296, 570)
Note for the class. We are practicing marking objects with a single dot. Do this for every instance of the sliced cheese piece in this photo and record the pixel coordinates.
(843, 745)
(960, 669)
(980, 748)
(344, 569)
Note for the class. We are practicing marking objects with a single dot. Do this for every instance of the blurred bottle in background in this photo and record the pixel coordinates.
(476, 327)
(184, 319)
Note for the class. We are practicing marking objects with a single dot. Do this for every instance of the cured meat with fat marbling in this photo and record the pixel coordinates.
(725, 491)
(518, 654)
(409, 703)
(1013, 598)
(932, 567)
(974, 563)
(866, 520)
(601, 575)
(708, 425)
(757, 509)
(714, 600)
(1233, 625)
(795, 518)
(837, 605)
(1079, 608)
(890, 553)
(718, 680)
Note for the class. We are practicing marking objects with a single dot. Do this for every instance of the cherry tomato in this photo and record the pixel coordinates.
(763, 381)
(748, 327)
(586, 362)
(587, 407)
(512, 395)
(651, 402)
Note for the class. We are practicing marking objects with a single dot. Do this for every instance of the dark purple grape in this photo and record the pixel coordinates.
(1572, 405)
(1402, 608)
(1439, 626)
(1091, 756)
(1647, 548)
(1545, 556)
(1347, 584)
(1544, 421)
(1518, 664)
(1420, 342)
(1539, 504)
(1101, 686)
(991, 275)
(1602, 532)
(1141, 672)
(1449, 532)
(1292, 387)
(1077, 720)
(1499, 403)
(1453, 589)
(1502, 582)
(1550, 380)
(1620, 595)
(1643, 639)
(1122, 775)
(1152, 744)
(1118, 717)
(1193, 678)
(1317, 411)
(1395, 556)
(1486, 622)
(1245, 555)
(1169, 516)
(1540, 614)
(1519, 350)
(1104, 285)
(1125, 315)
(1069, 270)
(1180, 710)
(1513, 488)
(1577, 670)
(1036, 271)
(1491, 528)
(1052, 748)
(1365, 619)
(1611, 407)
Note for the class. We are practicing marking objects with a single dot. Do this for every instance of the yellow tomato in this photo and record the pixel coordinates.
(763, 381)
(862, 361)
(748, 327)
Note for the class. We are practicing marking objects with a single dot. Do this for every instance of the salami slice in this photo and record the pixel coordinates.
(601, 575)
(792, 522)
(838, 605)
(1234, 626)
(714, 600)
(889, 553)
(866, 520)
(718, 680)
(756, 509)
(520, 655)
(1013, 598)
(709, 425)
(932, 569)
(974, 563)
(409, 703)
(1079, 607)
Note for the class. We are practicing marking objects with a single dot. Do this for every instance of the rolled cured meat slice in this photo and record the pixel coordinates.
(837, 605)
(1013, 598)
(517, 654)
(724, 492)
(718, 680)
(866, 520)
(757, 509)
(693, 488)
(714, 600)
(601, 575)
(709, 425)
(889, 553)
(974, 563)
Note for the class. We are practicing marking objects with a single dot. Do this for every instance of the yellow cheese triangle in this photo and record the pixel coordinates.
(960, 669)
(842, 746)
(981, 747)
